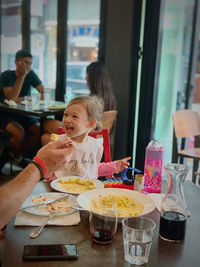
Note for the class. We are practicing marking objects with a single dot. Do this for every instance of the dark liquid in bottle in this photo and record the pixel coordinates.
(102, 236)
(172, 226)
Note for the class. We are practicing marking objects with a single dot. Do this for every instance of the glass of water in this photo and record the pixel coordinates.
(35, 101)
(137, 237)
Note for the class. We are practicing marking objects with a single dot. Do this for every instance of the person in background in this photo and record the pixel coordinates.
(50, 157)
(100, 85)
(14, 85)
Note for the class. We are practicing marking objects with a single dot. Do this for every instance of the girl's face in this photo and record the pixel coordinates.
(76, 122)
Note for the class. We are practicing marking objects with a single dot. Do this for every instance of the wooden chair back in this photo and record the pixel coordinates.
(186, 123)
(109, 119)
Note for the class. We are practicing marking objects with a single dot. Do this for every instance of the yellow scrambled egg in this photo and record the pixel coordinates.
(77, 185)
(54, 137)
(126, 206)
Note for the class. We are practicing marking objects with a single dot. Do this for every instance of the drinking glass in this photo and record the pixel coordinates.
(137, 237)
(47, 97)
(35, 101)
(102, 222)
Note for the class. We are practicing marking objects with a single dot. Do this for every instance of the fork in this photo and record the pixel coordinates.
(35, 233)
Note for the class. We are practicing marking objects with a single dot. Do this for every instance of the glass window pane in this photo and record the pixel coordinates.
(175, 54)
(82, 41)
(43, 40)
(11, 34)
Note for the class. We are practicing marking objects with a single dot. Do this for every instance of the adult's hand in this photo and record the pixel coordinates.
(56, 154)
(21, 70)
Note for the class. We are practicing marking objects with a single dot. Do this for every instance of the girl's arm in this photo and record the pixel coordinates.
(109, 168)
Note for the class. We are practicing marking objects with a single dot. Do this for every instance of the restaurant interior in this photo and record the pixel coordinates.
(151, 51)
(151, 55)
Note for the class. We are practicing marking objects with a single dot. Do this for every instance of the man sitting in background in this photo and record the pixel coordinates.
(14, 85)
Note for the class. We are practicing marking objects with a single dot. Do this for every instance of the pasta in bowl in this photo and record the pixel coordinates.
(129, 203)
(126, 206)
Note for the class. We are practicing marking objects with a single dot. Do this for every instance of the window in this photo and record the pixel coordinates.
(43, 40)
(11, 37)
(82, 41)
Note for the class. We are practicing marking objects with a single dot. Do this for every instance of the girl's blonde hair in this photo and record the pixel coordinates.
(94, 107)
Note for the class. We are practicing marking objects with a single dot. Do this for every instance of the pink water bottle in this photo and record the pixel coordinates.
(153, 167)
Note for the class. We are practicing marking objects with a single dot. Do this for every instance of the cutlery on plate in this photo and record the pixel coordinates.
(35, 233)
(45, 202)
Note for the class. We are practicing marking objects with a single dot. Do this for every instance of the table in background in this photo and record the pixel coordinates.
(42, 113)
(183, 254)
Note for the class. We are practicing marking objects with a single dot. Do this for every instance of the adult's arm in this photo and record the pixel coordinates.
(40, 89)
(12, 195)
(12, 93)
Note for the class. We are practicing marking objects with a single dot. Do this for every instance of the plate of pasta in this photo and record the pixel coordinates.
(60, 207)
(128, 203)
(75, 184)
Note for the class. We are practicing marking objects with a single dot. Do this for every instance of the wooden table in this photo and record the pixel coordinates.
(42, 113)
(184, 254)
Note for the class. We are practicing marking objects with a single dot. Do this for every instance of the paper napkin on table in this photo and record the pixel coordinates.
(10, 102)
(157, 198)
(25, 218)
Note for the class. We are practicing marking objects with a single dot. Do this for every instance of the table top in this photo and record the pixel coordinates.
(162, 253)
(27, 110)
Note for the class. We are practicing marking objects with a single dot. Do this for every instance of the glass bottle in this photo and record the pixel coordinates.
(173, 207)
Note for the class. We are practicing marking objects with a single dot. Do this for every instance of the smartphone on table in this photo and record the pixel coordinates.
(50, 252)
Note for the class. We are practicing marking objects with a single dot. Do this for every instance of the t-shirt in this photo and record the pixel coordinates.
(84, 160)
(8, 79)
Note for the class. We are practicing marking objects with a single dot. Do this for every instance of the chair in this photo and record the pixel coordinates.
(109, 119)
(187, 124)
(109, 122)
(106, 144)
(97, 134)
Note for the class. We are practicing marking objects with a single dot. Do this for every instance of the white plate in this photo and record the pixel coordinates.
(84, 198)
(57, 105)
(35, 211)
(23, 102)
(56, 185)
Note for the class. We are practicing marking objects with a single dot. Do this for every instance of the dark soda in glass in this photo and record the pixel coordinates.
(172, 226)
(102, 236)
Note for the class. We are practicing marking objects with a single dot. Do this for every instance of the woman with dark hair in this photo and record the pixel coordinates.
(99, 84)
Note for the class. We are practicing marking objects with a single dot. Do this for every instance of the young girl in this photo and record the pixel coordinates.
(82, 115)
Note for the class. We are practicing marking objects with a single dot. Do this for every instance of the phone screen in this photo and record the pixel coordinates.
(50, 252)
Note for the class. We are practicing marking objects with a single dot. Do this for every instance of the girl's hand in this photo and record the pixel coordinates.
(122, 164)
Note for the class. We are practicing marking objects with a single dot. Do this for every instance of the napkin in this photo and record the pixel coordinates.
(25, 218)
(10, 102)
(157, 198)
